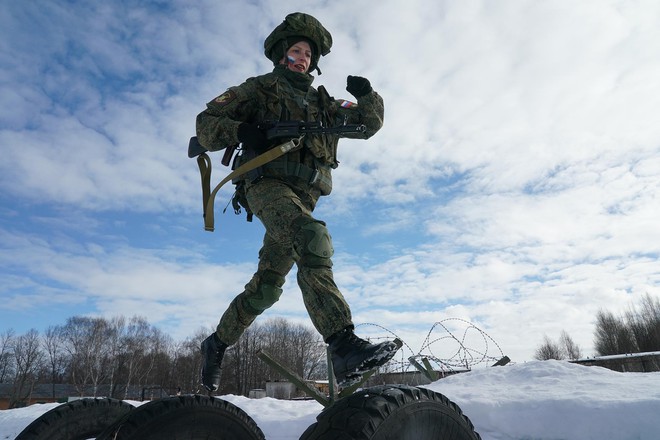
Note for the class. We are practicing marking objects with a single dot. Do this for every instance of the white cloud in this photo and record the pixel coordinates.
(514, 183)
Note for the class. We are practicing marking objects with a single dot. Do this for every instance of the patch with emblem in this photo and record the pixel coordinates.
(347, 104)
(225, 98)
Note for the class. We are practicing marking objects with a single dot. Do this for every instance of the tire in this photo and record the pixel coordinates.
(190, 417)
(392, 412)
(77, 420)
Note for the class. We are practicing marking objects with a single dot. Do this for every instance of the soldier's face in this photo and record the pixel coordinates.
(298, 57)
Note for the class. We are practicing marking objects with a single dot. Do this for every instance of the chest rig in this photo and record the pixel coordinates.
(309, 165)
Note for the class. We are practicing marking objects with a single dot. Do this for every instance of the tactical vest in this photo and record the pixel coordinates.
(311, 164)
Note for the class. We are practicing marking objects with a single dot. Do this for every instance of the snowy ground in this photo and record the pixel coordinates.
(549, 400)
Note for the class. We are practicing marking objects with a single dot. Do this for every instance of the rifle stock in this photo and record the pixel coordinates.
(195, 148)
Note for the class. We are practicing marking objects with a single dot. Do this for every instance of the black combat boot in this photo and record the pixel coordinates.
(353, 356)
(212, 351)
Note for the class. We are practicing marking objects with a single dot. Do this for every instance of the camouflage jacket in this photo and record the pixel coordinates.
(286, 95)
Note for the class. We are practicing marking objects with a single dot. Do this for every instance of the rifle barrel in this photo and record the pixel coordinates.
(283, 129)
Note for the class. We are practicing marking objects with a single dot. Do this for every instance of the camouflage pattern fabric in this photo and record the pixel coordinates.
(284, 204)
(281, 208)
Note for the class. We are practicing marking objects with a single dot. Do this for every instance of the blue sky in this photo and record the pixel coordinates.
(515, 183)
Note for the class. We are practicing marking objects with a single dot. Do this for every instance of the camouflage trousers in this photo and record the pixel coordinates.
(285, 210)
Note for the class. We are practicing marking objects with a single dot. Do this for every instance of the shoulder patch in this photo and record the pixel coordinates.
(225, 98)
(347, 104)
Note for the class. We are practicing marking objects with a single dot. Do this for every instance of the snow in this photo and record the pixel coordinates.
(548, 400)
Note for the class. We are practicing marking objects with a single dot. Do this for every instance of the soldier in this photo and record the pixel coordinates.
(283, 193)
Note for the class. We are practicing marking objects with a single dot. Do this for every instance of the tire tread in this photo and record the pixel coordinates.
(360, 415)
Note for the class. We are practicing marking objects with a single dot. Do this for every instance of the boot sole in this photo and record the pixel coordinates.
(381, 357)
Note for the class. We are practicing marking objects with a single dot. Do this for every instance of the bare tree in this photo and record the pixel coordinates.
(115, 347)
(86, 344)
(242, 370)
(135, 346)
(28, 355)
(612, 335)
(298, 346)
(7, 363)
(548, 350)
(568, 347)
(651, 316)
(124, 354)
(55, 355)
(644, 324)
(163, 358)
(143, 344)
(187, 363)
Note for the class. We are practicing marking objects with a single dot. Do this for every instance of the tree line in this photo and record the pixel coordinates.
(635, 331)
(115, 357)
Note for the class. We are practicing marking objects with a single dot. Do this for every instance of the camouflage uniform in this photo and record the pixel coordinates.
(280, 193)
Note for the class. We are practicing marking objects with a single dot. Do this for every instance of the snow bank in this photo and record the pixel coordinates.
(557, 400)
(537, 400)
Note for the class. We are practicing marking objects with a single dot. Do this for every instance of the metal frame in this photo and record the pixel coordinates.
(312, 392)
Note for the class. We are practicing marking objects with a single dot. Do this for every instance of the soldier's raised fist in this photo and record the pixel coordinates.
(358, 86)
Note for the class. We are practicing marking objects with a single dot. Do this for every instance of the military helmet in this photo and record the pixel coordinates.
(295, 27)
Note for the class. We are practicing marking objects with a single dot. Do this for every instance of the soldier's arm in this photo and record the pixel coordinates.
(369, 110)
(217, 125)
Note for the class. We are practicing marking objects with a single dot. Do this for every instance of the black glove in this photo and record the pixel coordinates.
(252, 137)
(358, 86)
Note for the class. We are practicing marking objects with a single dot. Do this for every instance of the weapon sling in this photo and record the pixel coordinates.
(204, 164)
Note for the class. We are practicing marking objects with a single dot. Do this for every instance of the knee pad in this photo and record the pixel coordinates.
(314, 245)
(268, 292)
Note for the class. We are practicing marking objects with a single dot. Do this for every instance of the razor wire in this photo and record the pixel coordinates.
(462, 349)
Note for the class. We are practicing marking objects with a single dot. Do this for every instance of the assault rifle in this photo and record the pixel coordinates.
(279, 130)
(290, 129)
(293, 130)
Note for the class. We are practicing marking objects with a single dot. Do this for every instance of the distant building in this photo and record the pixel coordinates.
(283, 390)
(626, 363)
(257, 393)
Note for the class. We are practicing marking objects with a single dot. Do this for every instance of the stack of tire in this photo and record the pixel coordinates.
(388, 412)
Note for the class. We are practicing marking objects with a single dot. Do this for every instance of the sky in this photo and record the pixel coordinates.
(515, 183)
(547, 400)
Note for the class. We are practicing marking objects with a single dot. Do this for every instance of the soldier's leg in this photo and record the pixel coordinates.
(263, 290)
(271, 201)
(325, 304)
(351, 355)
(274, 203)
(292, 234)
(287, 216)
